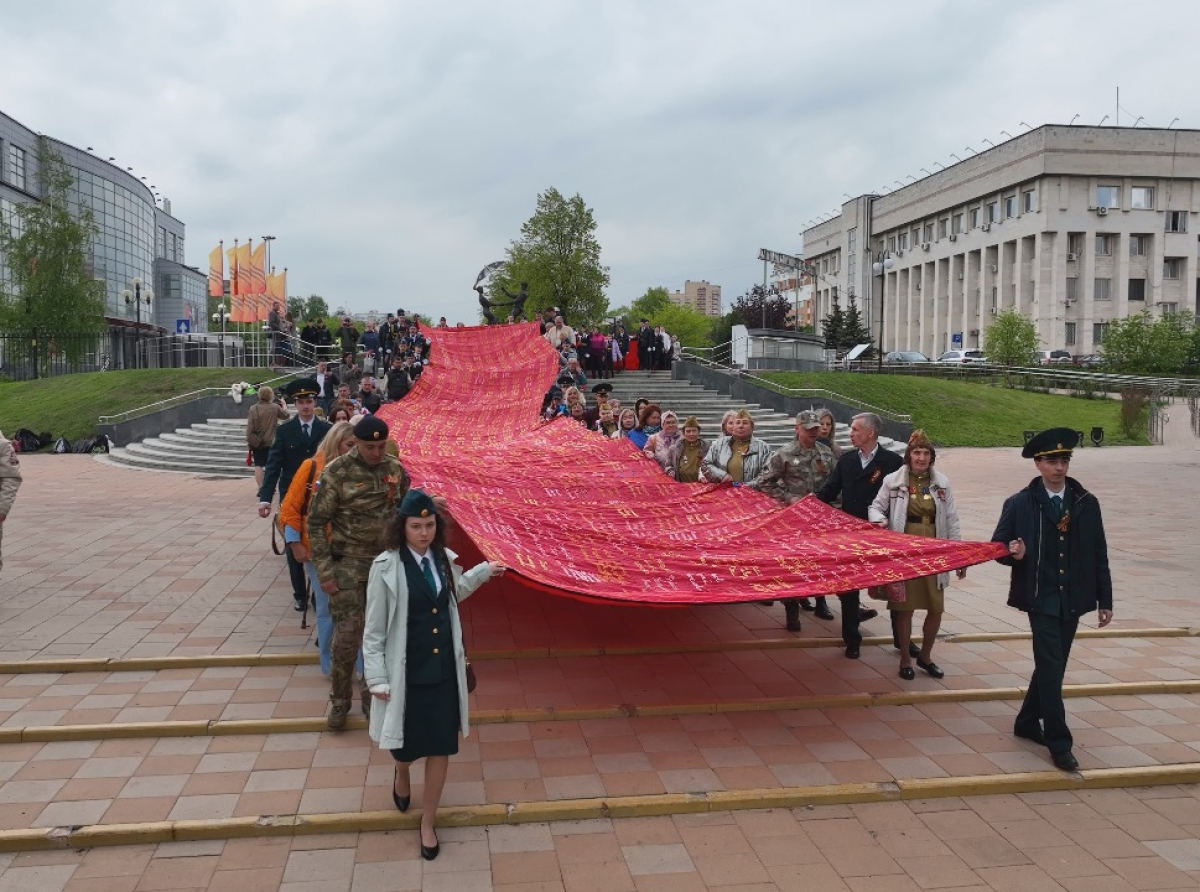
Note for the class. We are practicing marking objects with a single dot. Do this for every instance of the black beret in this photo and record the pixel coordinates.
(370, 429)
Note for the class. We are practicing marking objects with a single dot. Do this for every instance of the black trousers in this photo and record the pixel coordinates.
(296, 571)
(1052, 640)
(850, 634)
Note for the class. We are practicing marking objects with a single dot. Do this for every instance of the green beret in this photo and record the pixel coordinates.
(416, 503)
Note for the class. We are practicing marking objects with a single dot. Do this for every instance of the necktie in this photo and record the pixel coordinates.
(427, 570)
(1057, 502)
(306, 431)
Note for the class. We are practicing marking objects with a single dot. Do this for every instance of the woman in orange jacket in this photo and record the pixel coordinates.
(292, 514)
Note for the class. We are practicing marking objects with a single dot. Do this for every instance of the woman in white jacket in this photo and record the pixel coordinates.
(413, 658)
(918, 500)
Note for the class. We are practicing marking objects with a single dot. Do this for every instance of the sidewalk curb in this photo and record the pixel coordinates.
(308, 724)
(55, 838)
(209, 661)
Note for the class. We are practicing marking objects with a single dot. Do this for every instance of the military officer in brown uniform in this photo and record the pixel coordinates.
(356, 496)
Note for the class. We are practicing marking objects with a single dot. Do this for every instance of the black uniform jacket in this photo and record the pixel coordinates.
(858, 485)
(1089, 581)
(288, 452)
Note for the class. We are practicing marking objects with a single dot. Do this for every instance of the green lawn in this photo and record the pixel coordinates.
(962, 413)
(70, 405)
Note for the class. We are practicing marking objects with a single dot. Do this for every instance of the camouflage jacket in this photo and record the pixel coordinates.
(10, 475)
(352, 505)
(793, 472)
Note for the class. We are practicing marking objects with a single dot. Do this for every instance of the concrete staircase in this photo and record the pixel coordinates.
(218, 447)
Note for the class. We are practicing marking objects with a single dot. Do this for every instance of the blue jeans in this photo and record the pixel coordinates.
(325, 622)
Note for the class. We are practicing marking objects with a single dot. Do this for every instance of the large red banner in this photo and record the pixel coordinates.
(575, 513)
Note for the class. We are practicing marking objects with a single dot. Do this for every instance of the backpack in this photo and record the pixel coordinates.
(26, 440)
(61, 446)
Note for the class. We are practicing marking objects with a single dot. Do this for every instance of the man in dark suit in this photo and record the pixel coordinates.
(295, 440)
(857, 477)
(646, 344)
(1059, 559)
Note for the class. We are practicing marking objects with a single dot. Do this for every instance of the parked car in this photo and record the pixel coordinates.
(904, 357)
(1090, 361)
(962, 357)
(1055, 357)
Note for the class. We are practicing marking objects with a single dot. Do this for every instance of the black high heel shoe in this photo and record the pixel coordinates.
(430, 852)
(402, 802)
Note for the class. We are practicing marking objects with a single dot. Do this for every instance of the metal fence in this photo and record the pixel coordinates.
(28, 355)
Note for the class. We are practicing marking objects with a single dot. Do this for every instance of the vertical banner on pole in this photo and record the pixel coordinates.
(216, 271)
(236, 303)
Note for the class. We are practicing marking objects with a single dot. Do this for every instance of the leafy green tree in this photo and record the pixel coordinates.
(558, 255)
(51, 286)
(722, 328)
(1143, 345)
(645, 307)
(310, 307)
(1011, 339)
(693, 328)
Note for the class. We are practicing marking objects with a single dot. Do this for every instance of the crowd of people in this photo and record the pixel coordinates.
(371, 549)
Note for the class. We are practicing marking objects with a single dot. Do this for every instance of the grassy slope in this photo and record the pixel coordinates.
(70, 405)
(960, 413)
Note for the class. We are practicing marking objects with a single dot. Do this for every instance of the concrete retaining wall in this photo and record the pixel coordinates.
(196, 412)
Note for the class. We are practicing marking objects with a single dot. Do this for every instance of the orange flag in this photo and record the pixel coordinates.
(257, 280)
(216, 271)
(249, 303)
(237, 304)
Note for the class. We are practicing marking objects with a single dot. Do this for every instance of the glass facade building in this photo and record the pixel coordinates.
(137, 238)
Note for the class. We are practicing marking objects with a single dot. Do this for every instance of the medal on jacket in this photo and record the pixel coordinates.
(876, 475)
(1064, 522)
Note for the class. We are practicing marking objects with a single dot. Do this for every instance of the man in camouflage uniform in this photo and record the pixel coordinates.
(799, 468)
(10, 481)
(356, 496)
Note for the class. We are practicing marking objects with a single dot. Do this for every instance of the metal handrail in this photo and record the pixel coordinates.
(1061, 377)
(185, 398)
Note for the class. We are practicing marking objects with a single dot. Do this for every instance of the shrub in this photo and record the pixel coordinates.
(1135, 410)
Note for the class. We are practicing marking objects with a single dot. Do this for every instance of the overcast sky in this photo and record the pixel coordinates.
(394, 148)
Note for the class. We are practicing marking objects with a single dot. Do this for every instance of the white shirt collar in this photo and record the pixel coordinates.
(869, 457)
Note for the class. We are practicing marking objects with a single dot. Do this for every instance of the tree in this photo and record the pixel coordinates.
(645, 307)
(1143, 345)
(722, 328)
(758, 308)
(854, 330)
(1011, 339)
(52, 287)
(693, 328)
(558, 255)
(310, 307)
(834, 327)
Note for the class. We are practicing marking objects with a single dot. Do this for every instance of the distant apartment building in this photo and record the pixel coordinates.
(1071, 226)
(700, 296)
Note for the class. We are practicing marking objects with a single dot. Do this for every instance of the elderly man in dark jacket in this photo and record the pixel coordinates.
(857, 477)
(1059, 560)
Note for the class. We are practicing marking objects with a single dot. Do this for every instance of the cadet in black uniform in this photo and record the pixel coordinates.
(1059, 560)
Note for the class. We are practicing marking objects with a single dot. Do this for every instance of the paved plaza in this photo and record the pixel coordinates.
(635, 740)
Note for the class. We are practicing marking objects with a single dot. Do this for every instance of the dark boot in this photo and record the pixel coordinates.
(792, 611)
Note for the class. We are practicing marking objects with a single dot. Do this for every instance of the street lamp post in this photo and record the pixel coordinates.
(221, 317)
(883, 263)
(136, 297)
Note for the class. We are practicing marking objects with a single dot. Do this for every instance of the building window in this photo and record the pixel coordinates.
(1172, 267)
(851, 241)
(1138, 245)
(1170, 309)
(1099, 332)
(1029, 203)
(1075, 243)
(1073, 288)
(928, 233)
(852, 266)
(992, 209)
(891, 243)
(903, 241)
(1104, 245)
(916, 238)
(1142, 198)
(943, 228)
(956, 224)
(1010, 207)
(1101, 291)
(824, 266)
(1069, 334)
(1176, 221)
(1108, 196)
(1137, 289)
(15, 166)
(974, 218)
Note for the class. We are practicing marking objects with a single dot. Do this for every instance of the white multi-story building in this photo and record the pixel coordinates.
(1070, 226)
(700, 296)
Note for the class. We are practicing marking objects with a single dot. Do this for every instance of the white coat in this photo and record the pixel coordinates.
(385, 641)
(891, 504)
